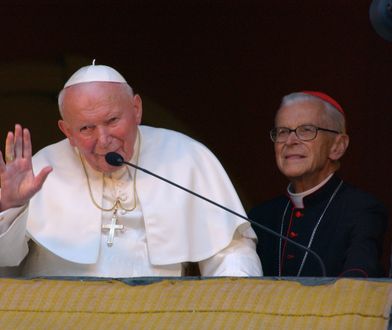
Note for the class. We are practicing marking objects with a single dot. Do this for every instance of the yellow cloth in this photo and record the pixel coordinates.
(194, 304)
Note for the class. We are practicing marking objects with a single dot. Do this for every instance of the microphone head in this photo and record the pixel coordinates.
(380, 14)
(114, 159)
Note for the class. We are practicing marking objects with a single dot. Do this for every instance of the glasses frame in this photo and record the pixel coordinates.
(273, 132)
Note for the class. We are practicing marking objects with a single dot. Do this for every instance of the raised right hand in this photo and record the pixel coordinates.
(17, 179)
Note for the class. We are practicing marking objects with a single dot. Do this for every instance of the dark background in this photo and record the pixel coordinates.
(213, 69)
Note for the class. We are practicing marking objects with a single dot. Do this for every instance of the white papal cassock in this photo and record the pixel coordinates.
(168, 228)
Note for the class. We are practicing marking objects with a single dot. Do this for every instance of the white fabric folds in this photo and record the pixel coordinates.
(179, 226)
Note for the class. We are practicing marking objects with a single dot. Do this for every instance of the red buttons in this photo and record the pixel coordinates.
(290, 256)
(298, 214)
(293, 234)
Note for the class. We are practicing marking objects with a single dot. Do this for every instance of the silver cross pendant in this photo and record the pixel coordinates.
(112, 227)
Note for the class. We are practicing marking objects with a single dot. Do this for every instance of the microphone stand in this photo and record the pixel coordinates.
(121, 161)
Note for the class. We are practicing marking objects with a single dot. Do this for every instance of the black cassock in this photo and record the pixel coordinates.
(348, 236)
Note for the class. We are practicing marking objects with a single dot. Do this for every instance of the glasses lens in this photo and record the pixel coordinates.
(279, 134)
(273, 134)
(306, 132)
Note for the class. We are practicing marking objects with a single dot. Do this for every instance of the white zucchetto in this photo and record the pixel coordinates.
(93, 73)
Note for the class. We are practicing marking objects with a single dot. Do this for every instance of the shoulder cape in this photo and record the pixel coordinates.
(179, 226)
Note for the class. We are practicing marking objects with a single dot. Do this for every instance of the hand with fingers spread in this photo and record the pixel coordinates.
(18, 182)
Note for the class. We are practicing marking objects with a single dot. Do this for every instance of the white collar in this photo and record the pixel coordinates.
(297, 198)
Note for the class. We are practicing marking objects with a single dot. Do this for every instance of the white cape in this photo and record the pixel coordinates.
(179, 226)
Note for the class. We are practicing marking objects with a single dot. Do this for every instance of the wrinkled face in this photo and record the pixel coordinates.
(101, 117)
(305, 163)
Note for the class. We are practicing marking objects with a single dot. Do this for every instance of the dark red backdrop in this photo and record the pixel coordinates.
(221, 68)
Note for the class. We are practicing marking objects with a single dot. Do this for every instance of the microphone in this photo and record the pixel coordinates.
(380, 15)
(115, 159)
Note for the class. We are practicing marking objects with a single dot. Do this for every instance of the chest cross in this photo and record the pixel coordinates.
(112, 227)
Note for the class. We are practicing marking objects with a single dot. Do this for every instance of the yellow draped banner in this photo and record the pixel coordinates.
(221, 303)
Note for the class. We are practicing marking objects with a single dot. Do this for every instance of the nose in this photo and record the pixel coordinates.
(292, 138)
(104, 138)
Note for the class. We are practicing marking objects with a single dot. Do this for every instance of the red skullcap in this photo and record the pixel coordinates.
(326, 98)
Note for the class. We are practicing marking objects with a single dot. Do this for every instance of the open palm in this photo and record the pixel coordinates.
(18, 182)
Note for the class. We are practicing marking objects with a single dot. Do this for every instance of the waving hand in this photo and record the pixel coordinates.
(17, 179)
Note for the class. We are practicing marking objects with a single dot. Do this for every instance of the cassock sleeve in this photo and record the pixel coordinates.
(13, 240)
(365, 245)
(239, 258)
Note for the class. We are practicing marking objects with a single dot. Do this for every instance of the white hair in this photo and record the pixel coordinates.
(333, 115)
(127, 89)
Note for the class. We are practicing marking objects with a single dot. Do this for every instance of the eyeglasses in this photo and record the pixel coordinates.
(303, 132)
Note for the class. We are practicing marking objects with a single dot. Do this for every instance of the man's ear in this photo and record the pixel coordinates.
(138, 107)
(339, 147)
(66, 131)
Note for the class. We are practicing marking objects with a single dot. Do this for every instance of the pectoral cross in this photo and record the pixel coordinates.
(112, 227)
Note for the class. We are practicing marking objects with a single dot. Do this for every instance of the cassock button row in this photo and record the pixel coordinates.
(293, 234)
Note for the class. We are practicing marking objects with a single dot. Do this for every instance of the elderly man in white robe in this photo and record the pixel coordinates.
(67, 212)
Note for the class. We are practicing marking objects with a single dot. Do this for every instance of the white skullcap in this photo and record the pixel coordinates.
(93, 73)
